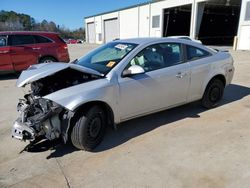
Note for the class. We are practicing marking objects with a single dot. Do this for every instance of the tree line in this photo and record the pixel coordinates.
(12, 21)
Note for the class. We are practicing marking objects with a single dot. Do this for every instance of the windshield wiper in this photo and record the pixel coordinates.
(74, 62)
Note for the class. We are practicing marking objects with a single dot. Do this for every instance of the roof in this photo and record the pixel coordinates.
(116, 10)
(222, 2)
(147, 41)
(25, 32)
(143, 41)
(139, 40)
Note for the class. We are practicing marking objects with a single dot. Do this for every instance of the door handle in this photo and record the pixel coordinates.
(4, 52)
(180, 75)
(36, 48)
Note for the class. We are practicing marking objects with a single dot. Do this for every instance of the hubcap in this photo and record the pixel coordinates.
(95, 127)
(215, 94)
(48, 61)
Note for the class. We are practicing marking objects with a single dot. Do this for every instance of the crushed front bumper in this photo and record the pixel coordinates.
(22, 131)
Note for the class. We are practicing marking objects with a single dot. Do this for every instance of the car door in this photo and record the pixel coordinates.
(164, 84)
(45, 46)
(22, 53)
(5, 59)
(200, 65)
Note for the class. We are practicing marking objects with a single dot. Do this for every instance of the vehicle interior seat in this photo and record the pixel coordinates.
(153, 59)
(2, 42)
(170, 57)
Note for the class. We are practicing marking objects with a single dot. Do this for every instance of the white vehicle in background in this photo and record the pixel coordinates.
(186, 38)
(119, 81)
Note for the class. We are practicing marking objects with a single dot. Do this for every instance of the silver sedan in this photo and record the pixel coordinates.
(117, 82)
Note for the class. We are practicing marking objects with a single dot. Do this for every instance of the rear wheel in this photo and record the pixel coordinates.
(89, 129)
(213, 93)
(47, 60)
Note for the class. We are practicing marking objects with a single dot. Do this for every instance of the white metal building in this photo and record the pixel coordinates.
(212, 21)
(244, 26)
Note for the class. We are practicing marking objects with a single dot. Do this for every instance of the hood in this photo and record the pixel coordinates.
(39, 71)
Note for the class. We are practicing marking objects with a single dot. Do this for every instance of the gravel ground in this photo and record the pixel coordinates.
(185, 147)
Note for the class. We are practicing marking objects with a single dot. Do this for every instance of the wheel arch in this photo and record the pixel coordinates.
(86, 106)
(219, 76)
(47, 56)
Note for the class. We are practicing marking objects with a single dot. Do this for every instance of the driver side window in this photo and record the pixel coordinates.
(158, 56)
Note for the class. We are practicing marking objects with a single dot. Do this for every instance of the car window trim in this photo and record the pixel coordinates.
(181, 62)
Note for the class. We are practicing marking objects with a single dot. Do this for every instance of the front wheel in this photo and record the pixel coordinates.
(47, 60)
(213, 94)
(89, 129)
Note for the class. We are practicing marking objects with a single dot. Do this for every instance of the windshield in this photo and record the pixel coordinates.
(105, 58)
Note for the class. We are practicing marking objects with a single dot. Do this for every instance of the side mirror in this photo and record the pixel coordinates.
(133, 70)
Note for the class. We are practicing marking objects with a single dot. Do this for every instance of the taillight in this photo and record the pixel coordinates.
(65, 46)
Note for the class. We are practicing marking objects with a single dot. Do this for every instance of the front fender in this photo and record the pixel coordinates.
(73, 97)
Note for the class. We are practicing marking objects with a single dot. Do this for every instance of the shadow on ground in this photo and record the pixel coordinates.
(139, 126)
(10, 76)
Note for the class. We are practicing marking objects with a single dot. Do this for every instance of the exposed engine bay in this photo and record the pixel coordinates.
(63, 79)
(41, 117)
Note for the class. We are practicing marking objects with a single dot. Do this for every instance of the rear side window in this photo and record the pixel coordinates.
(194, 53)
(21, 39)
(3, 41)
(61, 39)
(40, 39)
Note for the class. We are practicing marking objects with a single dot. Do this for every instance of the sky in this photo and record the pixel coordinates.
(68, 13)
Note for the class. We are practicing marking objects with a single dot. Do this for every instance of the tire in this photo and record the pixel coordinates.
(47, 60)
(89, 129)
(213, 94)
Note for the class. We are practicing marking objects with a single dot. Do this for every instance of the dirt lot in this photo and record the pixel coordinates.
(179, 148)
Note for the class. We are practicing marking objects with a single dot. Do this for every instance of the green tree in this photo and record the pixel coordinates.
(12, 21)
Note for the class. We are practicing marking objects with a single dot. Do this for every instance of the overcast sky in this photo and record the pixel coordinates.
(69, 13)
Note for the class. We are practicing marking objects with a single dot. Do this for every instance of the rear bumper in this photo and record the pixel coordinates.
(65, 59)
(63, 55)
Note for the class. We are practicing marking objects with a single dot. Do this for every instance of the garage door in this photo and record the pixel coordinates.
(111, 29)
(91, 32)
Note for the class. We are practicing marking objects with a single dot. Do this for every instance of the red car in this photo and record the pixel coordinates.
(72, 41)
(19, 50)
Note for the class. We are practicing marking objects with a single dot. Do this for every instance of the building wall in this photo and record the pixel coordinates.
(129, 23)
(98, 29)
(138, 21)
(144, 20)
(244, 28)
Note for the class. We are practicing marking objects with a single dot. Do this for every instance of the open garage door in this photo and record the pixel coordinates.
(91, 32)
(177, 21)
(111, 30)
(219, 23)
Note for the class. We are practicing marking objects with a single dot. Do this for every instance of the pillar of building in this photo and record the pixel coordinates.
(196, 18)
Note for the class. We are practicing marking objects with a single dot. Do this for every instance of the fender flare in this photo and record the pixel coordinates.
(220, 74)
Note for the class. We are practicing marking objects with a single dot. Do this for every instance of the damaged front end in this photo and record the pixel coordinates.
(38, 117)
